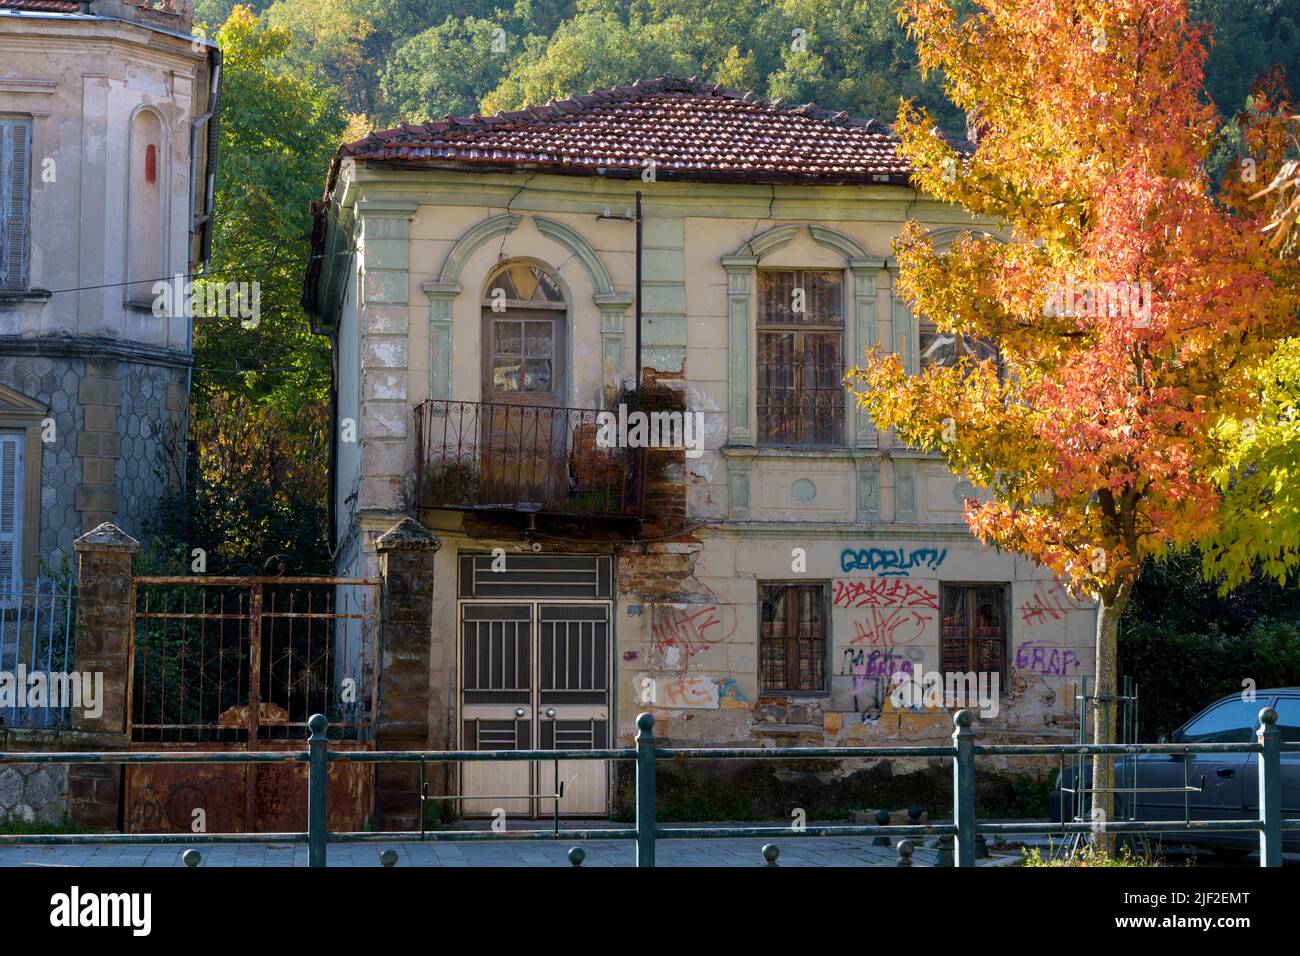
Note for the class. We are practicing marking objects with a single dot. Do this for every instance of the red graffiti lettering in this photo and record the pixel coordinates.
(692, 629)
(883, 592)
(1051, 602)
(891, 628)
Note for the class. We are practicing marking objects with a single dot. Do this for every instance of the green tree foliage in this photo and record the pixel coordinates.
(263, 381)
(1260, 475)
(445, 69)
(418, 59)
(1249, 38)
(278, 132)
(594, 49)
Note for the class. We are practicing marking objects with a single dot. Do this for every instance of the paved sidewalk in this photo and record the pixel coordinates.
(795, 851)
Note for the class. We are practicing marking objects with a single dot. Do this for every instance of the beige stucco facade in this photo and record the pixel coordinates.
(878, 525)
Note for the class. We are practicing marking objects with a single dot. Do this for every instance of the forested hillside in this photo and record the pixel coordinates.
(412, 60)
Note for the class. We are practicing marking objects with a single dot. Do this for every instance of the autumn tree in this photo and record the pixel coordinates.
(1131, 306)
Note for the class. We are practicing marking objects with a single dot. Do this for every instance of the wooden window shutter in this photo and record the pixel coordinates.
(15, 163)
(11, 514)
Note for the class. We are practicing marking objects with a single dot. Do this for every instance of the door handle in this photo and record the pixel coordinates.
(1226, 772)
(519, 712)
(549, 713)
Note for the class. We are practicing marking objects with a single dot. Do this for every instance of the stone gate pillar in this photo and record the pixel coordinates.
(406, 566)
(104, 568)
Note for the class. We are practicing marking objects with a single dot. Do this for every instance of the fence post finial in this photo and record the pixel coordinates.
(318, 769)
(963, 787)
(645, 790)
(882, 820)
(1270, 788)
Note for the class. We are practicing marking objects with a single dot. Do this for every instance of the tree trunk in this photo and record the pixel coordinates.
(1105, 711)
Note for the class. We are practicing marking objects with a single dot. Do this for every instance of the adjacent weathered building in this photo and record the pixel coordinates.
(478, 280)
(107, 147)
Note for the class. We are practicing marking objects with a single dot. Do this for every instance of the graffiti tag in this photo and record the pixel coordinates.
(892, 563)
(1050, 603)
(691, 628)
(883, 592)
(1045, 657)
(890, 627)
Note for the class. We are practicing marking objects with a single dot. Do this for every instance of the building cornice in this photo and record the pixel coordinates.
(82, 346)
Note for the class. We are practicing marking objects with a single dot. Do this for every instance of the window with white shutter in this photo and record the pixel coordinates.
(11, 514)
(15, 200)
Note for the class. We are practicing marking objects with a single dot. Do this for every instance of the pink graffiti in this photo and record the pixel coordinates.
(891, 628)
(1045, 657)
(883, 592)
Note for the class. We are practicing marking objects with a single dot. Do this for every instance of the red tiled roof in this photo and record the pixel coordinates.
(693, 131)
(47, 6)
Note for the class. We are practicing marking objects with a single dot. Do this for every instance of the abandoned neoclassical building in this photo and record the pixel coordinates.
(107, 157)
(479, 281)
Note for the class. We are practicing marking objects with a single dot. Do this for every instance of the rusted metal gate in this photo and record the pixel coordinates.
(241, 663)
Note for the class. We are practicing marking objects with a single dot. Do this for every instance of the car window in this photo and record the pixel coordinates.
(1233, 721)
(1288, 718)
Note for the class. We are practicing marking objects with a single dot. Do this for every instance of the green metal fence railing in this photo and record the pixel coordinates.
(964, 827)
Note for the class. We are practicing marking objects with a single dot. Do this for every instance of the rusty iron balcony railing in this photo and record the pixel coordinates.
(526, 458)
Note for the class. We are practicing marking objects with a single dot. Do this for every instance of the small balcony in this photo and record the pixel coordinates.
(536, 459)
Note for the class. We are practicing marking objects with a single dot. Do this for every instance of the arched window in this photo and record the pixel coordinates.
(523, 336)
(146, 215)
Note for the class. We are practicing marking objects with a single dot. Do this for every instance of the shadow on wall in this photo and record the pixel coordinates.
(739, 790)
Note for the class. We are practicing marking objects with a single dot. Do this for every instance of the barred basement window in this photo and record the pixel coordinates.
(800, 361)
(975, 629)
(792, 638)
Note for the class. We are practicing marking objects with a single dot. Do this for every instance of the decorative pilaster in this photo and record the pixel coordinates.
(868, 499)
(904, 490)
(383, 309)
(613, 317)
(740, 287)
(862, 336)
(738, 487)
(441, 296)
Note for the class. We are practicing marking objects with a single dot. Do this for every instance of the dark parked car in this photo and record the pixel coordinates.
(1226, 785)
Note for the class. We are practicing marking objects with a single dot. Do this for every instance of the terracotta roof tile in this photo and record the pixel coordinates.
(48, 6)
(692, 130)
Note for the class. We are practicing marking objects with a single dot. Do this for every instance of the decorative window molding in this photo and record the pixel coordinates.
(860, 331)
(148, 206)
(468, 244)
(612, 305)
